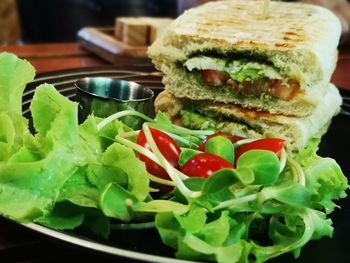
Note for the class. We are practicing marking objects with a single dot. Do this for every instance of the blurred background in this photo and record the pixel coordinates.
(34, 21)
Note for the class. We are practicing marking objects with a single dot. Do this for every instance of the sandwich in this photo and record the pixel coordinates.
(250, 123)
(243, 72)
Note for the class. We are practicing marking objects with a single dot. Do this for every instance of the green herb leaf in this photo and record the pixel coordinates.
(161, 206)
(264, 164)
(124, 158)
(290, 193)
(219, 180)
(216, 232)
(192, 247)
(186, 154)
(194, 220)
(64, 216)
(117, 202)
(79, 191)
(168, 228)
(192, 183)
(222, 147)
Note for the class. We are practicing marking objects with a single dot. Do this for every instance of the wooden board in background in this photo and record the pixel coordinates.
(101, 41)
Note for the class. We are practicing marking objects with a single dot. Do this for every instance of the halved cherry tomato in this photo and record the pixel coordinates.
(167, 146)
(233, 139)
(213, 77)
(204, 164)
(271, 144)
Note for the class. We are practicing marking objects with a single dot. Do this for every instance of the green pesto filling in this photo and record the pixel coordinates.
(195, 120)
(201, 108)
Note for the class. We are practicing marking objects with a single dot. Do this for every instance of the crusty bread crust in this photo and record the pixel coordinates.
(298, 38)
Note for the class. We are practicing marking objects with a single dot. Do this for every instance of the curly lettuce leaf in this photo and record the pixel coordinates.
(7, 136)
(123, 157)
(55, 117)
(32, 177)
(63, 162)
(326, 182)
(324, 178)
(14, 75)
(64, 216)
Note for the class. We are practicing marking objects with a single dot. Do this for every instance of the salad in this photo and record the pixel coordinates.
(211, 196)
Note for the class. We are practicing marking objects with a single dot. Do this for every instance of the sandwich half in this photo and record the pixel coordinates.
(248, 123)
(228, 52)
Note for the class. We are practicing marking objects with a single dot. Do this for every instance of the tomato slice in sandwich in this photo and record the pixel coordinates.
(213, 77)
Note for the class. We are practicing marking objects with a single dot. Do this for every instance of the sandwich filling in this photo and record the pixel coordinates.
(246, 76)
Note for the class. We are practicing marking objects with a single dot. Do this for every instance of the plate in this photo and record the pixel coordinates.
(145, 245)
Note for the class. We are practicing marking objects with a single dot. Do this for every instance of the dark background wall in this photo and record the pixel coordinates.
(60, 20)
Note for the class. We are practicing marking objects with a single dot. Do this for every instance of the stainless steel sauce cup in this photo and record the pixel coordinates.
(104, 96)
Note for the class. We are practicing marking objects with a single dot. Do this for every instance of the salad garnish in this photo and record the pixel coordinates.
(252, 200)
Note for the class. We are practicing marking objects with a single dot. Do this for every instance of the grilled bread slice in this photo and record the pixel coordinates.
(295, 47)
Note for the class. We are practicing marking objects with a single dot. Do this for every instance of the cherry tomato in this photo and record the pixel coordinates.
(204, 164)
(271, 144)
(167, 146)
(214, 77)
(233, 139)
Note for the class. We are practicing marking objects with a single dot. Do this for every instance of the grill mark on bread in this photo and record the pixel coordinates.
(219, 23)
(291, 34)
(284, 45)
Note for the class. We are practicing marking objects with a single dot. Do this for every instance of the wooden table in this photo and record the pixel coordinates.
(51, 57)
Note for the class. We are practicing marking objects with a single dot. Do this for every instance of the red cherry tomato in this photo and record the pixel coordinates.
(214, 77)
(167, 146)
(233, 139)
(204, 164)
(271, 144)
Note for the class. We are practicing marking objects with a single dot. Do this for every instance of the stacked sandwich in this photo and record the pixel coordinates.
(228, 67)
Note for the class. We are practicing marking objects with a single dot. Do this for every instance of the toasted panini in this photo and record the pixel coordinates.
(281, 64)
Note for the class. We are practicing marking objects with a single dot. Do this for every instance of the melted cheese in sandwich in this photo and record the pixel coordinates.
(238, 70)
